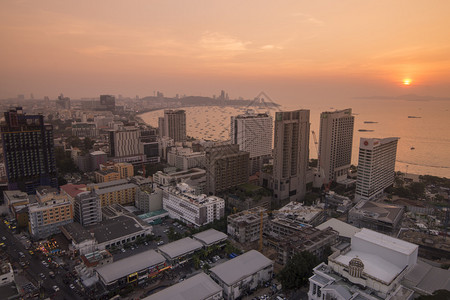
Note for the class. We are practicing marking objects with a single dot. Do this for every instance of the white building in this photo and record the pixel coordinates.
(335, 142)
(242, 274)
(185, 158)
(376, 167)
(199, 210)
(195, 177)
(6, 273)
(253, 133)
(149, 199)
(372, 268)
(291, 154)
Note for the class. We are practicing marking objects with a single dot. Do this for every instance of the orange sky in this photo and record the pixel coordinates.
(286, 48)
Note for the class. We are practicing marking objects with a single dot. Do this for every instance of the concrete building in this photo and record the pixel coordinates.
(377, 216)
(125, 142)
(96, 159)
(335, 144)
(28, 151)
(125, 170)
(308, 239)
(149, 199)
(87, 208)
(174, 125)
(117, 191)
(253, 133)
(107, 102)
(372, 268)
(197, 287)
(242, 274)
(184, 158)
(198, 210)
(195, 178)
(6, 273)
(180, 251)
(106, 176)
(51, 211)
(226, 167)
(291, 154)
(71, 190)
(345, 230)
(245, 226)
(85, 129)
(310, 215)
(135, 269)
(376, 167)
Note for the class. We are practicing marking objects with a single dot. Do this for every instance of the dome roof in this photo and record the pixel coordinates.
(356, 262)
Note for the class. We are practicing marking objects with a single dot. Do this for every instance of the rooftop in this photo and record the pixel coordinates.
(344, 229)
(185, 192)
(427, 278)
(210, 236)
(376, 210)
(198, 287)
(73, 189)
(180, 247)
(240, 267)
(115, 188)
(129, 265)
(76, 232)
(386, 241)
(115, 228)
(298, 211)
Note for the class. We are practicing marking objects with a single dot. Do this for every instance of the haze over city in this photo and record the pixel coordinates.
(293, 50)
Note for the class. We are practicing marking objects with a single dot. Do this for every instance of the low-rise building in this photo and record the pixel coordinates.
(242, 274)
(308, 239)
(197, 287)
(180, 251)
(133, 269)
(6, 273)
(245, 226)
(51, 211)
(195, 178)
(71, 190)
(211, 237)
(184, 205)
(117, 191)
(310, 215)
(106, 175)
(345, 230)
(377, 216)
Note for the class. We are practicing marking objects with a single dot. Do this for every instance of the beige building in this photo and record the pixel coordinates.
(125, 170)
(335, 144)
(117, 191)
(291, 154)
(106, 176)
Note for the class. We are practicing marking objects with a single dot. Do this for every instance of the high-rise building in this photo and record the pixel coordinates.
(376, 167)
(226, 167)
(28, 151)
(174, 125)
(253, 133)
(291, 154)
(125, 142)
(108, 102)
(87, 208)
(63, 102)
(336, 140)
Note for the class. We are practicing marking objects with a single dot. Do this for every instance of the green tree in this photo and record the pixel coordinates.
(417, 189)
(296, 272)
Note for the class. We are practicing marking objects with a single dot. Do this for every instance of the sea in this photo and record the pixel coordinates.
(422, 126)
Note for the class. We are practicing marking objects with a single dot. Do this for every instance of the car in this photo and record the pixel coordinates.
(42, 275)
(55, 288)
(72, 286)
(132, 248)
(146, 244)
(21, 254)
(123, 250)
(3, 238)
(31, 252)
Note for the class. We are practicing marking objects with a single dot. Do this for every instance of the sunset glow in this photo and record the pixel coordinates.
(406, 81)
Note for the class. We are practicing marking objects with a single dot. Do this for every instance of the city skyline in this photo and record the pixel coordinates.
(296, 50)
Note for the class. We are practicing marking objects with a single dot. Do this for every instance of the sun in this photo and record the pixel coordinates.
(406, 81)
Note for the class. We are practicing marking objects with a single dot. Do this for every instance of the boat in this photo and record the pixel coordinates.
(412, 148)
(414, 117)
(370, 122)
(365, 130)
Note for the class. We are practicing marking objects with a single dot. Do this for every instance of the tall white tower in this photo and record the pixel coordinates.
(376, 167)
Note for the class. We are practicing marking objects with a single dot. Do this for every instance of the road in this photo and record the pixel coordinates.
(14, 246)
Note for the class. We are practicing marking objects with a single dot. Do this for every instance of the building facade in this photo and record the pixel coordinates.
(376, 167)
(291, 154)
(117, 191)
(335, 144)
(174, 125)
(87, 208)
(226, 167)
(28, 150)
(198, 210)
(253, 133)
(245, 226)
(125, 142)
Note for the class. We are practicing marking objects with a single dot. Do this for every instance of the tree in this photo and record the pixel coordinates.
(296, 272)
(417, 189)
(437, 295)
